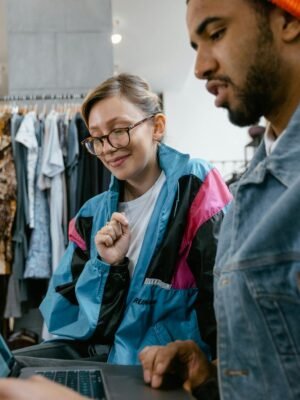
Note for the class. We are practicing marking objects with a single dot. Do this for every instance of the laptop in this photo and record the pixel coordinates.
(94, 380)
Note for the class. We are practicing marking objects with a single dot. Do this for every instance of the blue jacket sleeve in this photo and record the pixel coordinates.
(86, 296)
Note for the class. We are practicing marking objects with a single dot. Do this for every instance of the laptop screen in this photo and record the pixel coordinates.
(6, 359)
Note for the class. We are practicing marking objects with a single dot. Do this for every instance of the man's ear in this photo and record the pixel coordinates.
(290, 28)
(159, 127)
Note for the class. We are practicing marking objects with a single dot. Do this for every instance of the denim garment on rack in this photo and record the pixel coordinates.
(38, 263)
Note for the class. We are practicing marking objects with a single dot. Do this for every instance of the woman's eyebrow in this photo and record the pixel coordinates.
(111, 122)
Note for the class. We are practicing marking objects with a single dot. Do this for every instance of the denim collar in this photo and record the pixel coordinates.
(282, 163)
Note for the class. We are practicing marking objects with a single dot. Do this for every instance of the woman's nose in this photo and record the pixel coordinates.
(106, 146)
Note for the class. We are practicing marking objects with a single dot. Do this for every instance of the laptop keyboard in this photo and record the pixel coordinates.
(86, 382)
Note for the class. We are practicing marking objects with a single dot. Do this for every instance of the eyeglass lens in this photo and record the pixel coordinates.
(118, 138)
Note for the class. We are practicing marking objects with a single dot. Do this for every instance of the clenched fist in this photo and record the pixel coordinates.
(112, 241)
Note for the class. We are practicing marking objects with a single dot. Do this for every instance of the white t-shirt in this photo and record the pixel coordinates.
(26, 136)
(271, 140)
(138, 212)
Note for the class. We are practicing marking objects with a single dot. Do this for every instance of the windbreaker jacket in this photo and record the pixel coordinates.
(170, 295)
(258, 278)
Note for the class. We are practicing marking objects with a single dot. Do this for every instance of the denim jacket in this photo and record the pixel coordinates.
(257, 278)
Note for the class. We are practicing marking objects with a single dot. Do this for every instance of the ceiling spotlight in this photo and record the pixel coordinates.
(116, 37)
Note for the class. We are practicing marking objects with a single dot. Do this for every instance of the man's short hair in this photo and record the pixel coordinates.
(262, 6)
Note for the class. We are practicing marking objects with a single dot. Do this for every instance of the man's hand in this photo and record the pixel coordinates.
(112, 241)
(35, 388)
(181, 358)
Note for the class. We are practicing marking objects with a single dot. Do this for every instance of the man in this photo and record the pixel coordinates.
(248, 51)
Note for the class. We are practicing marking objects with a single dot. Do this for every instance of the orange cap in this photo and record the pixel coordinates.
(291, 6)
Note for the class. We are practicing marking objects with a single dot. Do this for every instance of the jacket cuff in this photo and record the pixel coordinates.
(117, 267)
(123, 264)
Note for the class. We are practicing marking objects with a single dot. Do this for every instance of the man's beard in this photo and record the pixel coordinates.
(259, 96)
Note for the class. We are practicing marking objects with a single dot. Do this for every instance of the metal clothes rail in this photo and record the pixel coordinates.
(61, 96)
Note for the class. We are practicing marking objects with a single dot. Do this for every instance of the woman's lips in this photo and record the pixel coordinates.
(118, 161)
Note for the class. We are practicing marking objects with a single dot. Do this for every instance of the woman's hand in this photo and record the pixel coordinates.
(35, 388)
(112, 241)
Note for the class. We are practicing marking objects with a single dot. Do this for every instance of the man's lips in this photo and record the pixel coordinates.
(218, 89)
(214, 86)
(117, 161)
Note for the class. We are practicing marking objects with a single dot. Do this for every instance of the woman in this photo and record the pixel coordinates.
(138, 268)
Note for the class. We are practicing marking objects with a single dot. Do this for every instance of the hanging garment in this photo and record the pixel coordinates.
(3, 291)
(17, 290)
(26, 136)
(20, 234)
(7, 195)
(93, 177)
(62, 126)
(52, 178)
(72, 168)
(38, 263)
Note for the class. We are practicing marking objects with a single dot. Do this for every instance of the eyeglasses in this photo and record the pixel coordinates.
(117, 138)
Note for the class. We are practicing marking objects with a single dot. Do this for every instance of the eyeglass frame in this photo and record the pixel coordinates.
(101, 138)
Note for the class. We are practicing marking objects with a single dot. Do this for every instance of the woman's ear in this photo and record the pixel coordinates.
(159, 127)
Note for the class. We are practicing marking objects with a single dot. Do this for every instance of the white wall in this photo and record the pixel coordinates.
(58, 46)
(3, 51)
(197, 127)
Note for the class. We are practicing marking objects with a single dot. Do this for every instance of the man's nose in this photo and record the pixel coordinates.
(205, 64)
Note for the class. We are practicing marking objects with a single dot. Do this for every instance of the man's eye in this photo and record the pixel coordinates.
(217, 35)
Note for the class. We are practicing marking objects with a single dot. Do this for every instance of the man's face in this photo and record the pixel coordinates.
(236, 54)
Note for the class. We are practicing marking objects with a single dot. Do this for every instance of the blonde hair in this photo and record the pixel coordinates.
(132, 87)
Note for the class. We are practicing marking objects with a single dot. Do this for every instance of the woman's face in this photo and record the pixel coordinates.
(135, 162)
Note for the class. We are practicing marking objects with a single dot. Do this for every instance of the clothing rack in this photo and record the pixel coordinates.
(61, 96)
(230, 169)
(234, 163)
(227, 161)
